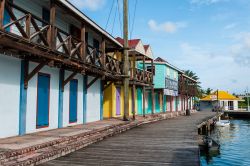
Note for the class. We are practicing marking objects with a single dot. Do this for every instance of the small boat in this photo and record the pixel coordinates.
(222, 123)
(209, 144)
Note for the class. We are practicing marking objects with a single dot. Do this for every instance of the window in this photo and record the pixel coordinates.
(74, 31)
(96, 44)
(46, 15)
(151, 69)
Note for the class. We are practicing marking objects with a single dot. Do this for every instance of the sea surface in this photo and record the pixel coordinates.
(234, 143)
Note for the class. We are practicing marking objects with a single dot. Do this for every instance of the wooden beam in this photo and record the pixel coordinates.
(153, 100)
(133, 100)
(18, 25)
(134, 66)
(28, 23)
(144, 98)
(103, 53)
(92, 82)
(2, 6)
(143, 69)
(83, 46)
(65, 82)
(108, 85)
(30, 75)
(52, 39)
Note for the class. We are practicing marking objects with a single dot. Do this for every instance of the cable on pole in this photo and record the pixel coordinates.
(114, 21)
(119, 12)
(133, 22)
(111, 9)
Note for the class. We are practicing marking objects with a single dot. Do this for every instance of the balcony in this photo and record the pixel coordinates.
(140, 76)
(27, 33)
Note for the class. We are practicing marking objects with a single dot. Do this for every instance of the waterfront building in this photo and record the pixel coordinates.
(140, 79)
(165, 86)
(173, 90)
(52, 65)
(221, 100)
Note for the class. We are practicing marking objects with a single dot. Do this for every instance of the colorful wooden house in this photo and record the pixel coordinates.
(140, 78)
(53, 61)
(165, 86)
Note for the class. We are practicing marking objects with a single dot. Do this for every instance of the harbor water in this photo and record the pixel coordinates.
(234, 143)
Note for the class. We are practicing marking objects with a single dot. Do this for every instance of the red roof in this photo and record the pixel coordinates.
(159, 59)
(131, 43)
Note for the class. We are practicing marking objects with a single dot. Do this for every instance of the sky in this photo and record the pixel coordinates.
(208, 37)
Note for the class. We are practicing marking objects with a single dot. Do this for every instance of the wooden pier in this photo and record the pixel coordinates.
(168, 142)
(238, 114)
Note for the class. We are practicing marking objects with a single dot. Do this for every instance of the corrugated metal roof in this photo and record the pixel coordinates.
(222, 95)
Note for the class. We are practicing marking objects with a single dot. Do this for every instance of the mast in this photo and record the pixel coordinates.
(126, 62)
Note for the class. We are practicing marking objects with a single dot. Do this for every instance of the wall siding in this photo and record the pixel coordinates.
(159, 77)
(93, 101)
(9, 98)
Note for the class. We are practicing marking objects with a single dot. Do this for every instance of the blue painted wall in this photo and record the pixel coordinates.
(23, 100)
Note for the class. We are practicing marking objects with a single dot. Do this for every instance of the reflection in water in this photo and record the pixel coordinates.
(235, 145)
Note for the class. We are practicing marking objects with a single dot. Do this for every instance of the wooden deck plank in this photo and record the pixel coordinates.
(168, 142)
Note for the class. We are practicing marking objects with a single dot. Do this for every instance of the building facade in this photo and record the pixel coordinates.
(139, 79)
(53, 64)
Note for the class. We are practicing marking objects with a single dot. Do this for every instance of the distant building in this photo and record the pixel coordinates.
(219, 99)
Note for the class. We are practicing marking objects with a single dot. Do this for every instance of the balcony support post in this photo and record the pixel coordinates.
(152, 87)
(83, 46)
(2, 5)
(103, 45)
(52, 37)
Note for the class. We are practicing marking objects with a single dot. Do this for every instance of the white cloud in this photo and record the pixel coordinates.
(240, 50)
(206, 2)
(168, 27)
(230, 26)
(89, 4)
(215, 69)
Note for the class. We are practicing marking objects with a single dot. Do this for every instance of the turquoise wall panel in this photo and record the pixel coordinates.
(157, 103)
(139, 101)
(159, 77)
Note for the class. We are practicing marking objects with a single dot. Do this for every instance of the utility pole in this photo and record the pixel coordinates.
(126, 62)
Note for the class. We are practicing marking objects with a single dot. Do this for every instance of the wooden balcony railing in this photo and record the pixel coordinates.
(68, 44)
(141, 76)
(94, 56)
(39, 33)
(113, 64)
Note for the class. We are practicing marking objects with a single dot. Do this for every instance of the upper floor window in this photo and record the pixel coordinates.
(96, 44)
(46, 15)
(151, 69)
(74, 31)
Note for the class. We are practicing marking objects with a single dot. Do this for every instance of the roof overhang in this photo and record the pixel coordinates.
(70, 6)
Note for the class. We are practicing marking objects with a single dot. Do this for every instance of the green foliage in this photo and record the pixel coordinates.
(193, 75)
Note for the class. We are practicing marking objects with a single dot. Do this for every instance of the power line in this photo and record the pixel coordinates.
(111, 9)
(119, 12)
(133, 22)
(114, 21)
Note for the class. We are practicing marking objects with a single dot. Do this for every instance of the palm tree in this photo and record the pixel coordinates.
(208, 91)
(193, 75)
